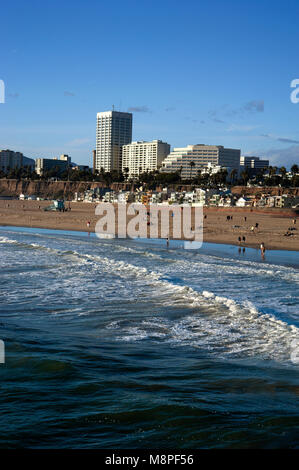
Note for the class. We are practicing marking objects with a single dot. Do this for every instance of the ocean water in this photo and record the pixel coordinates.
(127, 344)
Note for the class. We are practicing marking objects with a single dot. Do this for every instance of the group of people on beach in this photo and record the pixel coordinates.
(242, 240)
(262, 245)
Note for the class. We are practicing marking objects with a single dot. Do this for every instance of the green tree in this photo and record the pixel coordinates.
(245, 177)
(233, 175)
(283, 171)
(192, 165)
(126, 172)
(294, 169)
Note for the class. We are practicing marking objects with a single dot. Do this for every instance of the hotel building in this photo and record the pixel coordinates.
(10, 160)
(46, 164)
(114, 129)
(139, 157)
(200, 155)
(253, 165)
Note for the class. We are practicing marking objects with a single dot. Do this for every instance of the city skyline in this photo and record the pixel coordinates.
(220, 80)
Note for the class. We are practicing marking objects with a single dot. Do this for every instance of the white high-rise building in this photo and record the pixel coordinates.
(139, 157)
(188, 160)
(114, 129)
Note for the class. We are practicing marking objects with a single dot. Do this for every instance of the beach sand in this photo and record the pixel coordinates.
(216, 227)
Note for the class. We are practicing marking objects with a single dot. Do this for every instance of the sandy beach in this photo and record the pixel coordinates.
(216, 227)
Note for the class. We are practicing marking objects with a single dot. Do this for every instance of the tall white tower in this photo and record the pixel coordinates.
(114, 129)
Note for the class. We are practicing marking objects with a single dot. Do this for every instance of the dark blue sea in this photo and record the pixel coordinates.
(121, 344)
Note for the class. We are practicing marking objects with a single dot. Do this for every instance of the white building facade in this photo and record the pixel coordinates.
(189, 160)
(140, 157)
(114, 129)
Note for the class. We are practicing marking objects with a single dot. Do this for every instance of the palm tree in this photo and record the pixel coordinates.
(192, 165)
(245, 176)
(283, 171)
(198, 176)
(126, 172)
(223, 175)
(102, 173)
(233, 174)
(180, 171)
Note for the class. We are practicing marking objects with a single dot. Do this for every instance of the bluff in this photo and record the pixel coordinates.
(67, 189)
(51, 189)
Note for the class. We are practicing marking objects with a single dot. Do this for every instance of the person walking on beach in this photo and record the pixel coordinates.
(263, 249)
(167, 242)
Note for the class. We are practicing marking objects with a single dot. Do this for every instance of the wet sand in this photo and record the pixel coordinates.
(216, 227)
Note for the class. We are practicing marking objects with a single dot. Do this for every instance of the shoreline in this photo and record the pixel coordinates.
(216, 228)
(252, 246)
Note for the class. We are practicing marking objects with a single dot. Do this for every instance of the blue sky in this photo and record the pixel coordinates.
(215, 72)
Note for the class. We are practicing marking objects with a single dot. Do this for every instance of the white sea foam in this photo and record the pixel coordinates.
(6, 240)
(216, 323)
(222, 325)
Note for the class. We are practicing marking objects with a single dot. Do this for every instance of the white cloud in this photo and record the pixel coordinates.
(280, 157)
(241, 127)
(139, 109)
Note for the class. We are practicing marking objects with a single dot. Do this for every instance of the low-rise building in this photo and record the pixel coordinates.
(285, 200)
(253, 165)
(80, 167)
(244, 202)
(43, 165)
